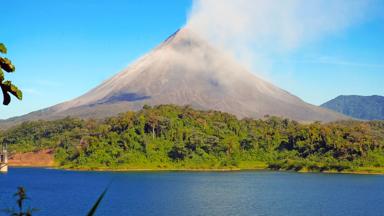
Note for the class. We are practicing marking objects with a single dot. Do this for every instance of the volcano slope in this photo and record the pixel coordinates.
(186, 70)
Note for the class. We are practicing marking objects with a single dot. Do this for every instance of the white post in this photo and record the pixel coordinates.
(3, 160)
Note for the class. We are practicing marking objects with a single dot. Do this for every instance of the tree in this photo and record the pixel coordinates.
(7, 86)
(152, 121)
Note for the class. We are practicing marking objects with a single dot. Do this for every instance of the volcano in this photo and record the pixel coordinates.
(186, 70)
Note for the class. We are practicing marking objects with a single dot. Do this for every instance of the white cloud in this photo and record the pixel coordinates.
(47, 83)
(339, 61)
(32, 91)
(254, 29)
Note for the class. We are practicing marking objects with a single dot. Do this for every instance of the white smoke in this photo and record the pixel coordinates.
(254, 29)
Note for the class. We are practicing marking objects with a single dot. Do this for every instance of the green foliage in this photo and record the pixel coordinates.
(173, 137)
(3, 49)
(6, 86)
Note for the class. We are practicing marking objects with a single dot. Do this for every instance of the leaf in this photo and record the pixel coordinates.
(6, 96)
(7, 65)
(16, 92)
(96, 205)
(1, 75)
(3, 49)
(7, 87)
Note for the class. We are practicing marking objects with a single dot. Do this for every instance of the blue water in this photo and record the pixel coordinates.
(57, 192)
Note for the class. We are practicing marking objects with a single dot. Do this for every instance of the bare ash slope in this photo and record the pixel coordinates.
(186, 70)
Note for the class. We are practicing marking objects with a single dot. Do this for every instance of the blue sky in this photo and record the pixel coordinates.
(62, 49)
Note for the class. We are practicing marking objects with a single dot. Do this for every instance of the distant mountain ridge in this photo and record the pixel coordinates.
(361, 107)
(186, 70)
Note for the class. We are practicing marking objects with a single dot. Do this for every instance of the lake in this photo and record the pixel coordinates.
(58, 192)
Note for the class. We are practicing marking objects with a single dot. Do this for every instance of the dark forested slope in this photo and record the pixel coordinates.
(361, 107)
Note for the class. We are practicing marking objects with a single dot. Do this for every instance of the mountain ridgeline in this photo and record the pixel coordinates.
(186, 70)
(173, 137)
(360, 107)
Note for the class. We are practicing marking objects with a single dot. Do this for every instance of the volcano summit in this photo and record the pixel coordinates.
(186, 70)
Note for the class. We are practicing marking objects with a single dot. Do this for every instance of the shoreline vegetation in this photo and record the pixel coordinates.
(24, 160)
(174, 138)
(359, 171)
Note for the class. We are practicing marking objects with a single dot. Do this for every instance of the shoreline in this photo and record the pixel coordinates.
(234, 169)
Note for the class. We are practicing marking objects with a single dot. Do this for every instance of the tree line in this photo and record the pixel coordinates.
(169, 136)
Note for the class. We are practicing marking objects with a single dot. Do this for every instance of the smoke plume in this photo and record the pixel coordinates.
(253, 29)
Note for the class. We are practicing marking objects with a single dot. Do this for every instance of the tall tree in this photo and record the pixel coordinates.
(6, 85)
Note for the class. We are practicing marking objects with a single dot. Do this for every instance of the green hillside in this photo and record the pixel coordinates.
(361, 107)
(173, 137)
